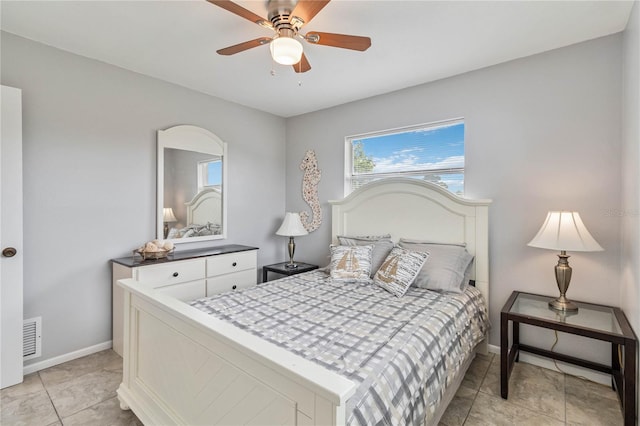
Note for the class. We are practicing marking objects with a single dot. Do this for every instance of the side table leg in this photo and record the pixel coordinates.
(516, 338)
(615, 363)
(504, 356)
(629, 383)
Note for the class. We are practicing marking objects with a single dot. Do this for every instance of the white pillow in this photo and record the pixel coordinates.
(399, 270)
(351, 263)
(445, 270)
(382, 246)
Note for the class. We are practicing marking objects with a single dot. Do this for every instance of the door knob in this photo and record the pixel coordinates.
(9, 252)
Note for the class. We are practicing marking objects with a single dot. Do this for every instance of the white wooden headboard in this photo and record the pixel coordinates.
(411, 208)
(205, 207)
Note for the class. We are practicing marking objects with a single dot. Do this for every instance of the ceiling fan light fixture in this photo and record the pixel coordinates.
(286, 50)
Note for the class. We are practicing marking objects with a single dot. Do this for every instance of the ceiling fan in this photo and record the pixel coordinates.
(286, 18)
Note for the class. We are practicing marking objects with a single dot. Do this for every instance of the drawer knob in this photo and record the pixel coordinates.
(234, 264)
(234, 287)
(10, 252)
(175, 274)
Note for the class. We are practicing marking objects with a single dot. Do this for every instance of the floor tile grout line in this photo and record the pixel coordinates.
(50, 399)
(85, 408)
(466, 417)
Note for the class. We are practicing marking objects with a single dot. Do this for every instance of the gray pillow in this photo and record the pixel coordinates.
(399, 270)
(445, 270)
(382, 246)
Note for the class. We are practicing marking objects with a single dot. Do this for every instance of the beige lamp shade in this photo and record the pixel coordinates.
(563, 230)
(167, 215)
(291, 226)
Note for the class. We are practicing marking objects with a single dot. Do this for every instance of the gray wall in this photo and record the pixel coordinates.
(542, 133)
(90, 179)
(630, 211)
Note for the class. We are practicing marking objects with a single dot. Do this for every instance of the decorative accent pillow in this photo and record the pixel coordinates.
(382, 246)
(446, 267)
(399, 270)
(351, 263)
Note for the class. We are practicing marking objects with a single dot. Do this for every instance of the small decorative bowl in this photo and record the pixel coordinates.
(152, 255)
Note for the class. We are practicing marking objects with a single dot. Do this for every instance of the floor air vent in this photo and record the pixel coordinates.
(32, 338)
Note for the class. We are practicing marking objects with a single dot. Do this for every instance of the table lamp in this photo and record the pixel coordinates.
(167, 216)
(291, 227)
(564, 231)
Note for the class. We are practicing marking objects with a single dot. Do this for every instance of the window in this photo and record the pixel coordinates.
(210, 173)
(432, 152)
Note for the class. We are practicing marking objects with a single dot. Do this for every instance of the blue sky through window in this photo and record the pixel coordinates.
(434, 148)
(214, 173)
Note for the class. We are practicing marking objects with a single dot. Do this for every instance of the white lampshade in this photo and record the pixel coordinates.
(167, 215)
(286, 50)
(291, 226)
(564, 231)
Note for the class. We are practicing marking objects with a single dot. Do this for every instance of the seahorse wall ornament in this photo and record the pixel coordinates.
(310, 181)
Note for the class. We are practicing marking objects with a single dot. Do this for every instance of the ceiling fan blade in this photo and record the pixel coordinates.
(307, 9)
(241, 12)
(231, 50)
(339, 40)
(303, 65)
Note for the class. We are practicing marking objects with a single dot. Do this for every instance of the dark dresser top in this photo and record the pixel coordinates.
(135, 261)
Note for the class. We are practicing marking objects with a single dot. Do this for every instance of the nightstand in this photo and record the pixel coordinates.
(606, 323)
(280, 268)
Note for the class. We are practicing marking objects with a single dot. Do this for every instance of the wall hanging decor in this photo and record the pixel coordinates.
(310, 181)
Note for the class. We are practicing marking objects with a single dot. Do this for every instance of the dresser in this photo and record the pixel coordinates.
(185, 275)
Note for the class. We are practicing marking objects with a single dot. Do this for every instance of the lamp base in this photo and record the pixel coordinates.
(563, 277)
(292, 250)
(563, 304)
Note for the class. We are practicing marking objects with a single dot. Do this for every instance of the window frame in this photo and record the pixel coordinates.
(348, 153)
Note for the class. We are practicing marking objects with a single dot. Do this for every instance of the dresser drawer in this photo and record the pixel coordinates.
(172, 272)
(232, 262)
(229, 282)
(185, 291)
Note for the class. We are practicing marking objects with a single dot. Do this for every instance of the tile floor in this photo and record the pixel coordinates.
(537, 396)
(78, 392)
(83, 392)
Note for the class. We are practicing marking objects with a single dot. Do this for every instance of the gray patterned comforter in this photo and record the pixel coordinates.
(403, 352)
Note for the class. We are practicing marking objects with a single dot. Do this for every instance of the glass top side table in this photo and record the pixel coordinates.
(597, 317)
(606, 323)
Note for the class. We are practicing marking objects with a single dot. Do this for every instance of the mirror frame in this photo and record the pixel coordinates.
(189, 138)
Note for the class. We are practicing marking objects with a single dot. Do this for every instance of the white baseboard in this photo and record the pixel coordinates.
(573, 370)
(37, 366)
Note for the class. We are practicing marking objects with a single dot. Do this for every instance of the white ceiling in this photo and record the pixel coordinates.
(413, 42)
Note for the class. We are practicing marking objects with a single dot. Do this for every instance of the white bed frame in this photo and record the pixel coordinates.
(205, 207)
(182, 366)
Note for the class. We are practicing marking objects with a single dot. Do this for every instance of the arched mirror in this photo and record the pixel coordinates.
(192, 176)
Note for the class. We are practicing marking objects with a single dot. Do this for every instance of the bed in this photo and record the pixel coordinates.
(183, 365)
